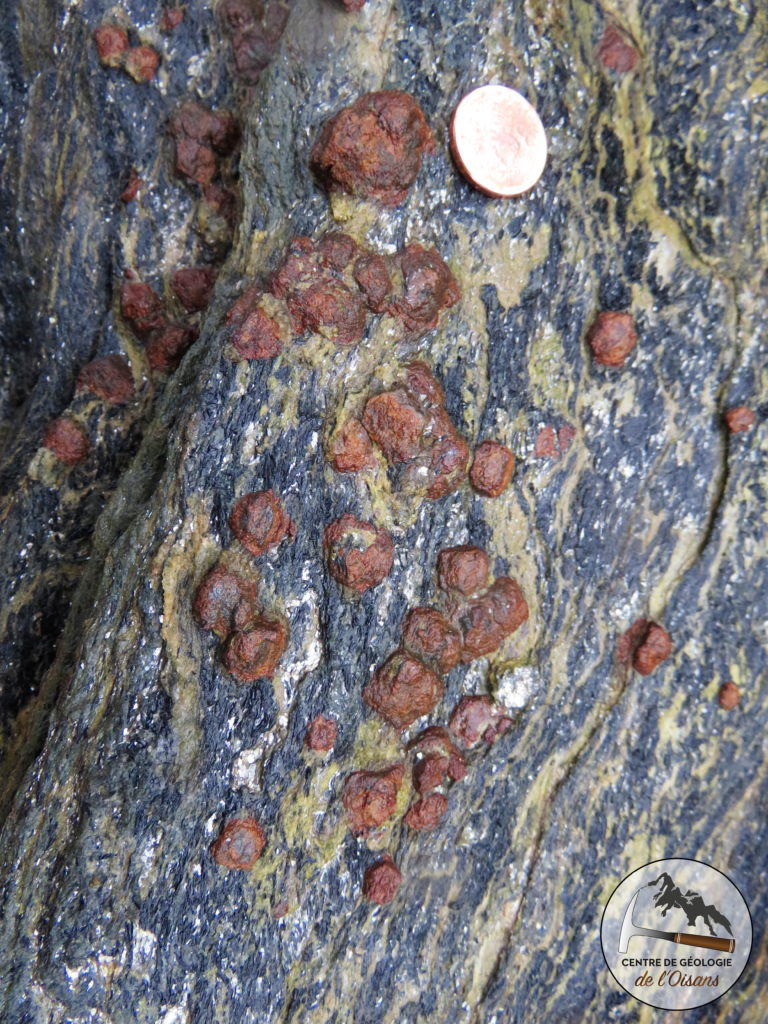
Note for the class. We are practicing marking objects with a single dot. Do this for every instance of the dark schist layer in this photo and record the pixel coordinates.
(641, 504)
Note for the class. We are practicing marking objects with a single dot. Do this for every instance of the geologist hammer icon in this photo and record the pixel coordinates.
(630, 929)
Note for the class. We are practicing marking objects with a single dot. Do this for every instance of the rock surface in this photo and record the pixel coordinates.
(128, 746)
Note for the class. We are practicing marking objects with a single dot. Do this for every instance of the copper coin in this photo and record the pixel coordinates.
(498, 141)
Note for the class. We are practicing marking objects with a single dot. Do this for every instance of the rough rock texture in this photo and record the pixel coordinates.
(128, 746)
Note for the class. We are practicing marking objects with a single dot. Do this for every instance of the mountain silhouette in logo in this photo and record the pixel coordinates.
(691, 903)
